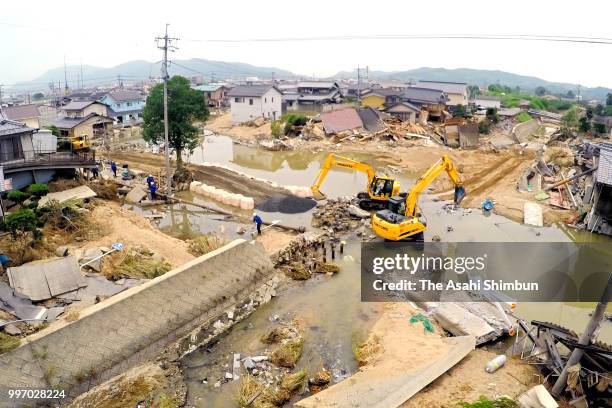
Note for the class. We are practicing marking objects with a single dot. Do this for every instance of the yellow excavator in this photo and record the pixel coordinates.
(402, 220)
(378, 190)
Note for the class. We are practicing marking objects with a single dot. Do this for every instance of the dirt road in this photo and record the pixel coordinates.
(213, 176)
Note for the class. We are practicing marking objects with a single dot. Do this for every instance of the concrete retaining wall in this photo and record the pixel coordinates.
(136, 325)
(522, 131)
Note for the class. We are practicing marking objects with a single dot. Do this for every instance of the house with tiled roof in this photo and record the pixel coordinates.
(250, 102)
(124, 106)
(456, 92)
(27, 114)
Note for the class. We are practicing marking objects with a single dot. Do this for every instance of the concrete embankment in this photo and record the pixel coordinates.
(171, 313)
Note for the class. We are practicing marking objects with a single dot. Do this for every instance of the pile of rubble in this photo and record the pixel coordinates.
(339, 215)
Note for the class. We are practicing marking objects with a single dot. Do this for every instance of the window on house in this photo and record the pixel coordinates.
(237, 100)
(272, 99)
(250, 101)
(266, 100)
(10, 148)
(129, 104)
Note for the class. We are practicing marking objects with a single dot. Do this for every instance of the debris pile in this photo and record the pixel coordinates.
(339, 215)
(548, 346)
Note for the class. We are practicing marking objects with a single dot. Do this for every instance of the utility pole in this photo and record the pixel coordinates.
(65, 77)
(358, 86)
(587, 337)
(82, 86)
(166, 41)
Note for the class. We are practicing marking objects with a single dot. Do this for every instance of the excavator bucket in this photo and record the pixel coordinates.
(318, 195)
(459, 195)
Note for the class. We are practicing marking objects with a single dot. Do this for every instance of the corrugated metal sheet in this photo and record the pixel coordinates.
(341, 120)
(604, 169)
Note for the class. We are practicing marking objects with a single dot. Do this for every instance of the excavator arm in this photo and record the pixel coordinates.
(340, 161)
(444, 164)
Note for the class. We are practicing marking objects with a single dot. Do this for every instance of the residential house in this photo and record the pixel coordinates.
(486, 101)
(91, 126)
(312, 95)
(404, 111)
(85, 95)
(79, 109)
(456, 92)
(396, 85)
(124, 106)
(24, 164)
(249, 102)
(28, 114)
(215, 95)
(432, 101)
(381, 98)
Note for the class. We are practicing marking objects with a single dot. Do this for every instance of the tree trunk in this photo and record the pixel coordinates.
(179, 158)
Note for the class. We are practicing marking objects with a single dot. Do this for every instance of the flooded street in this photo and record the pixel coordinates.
(329, 306)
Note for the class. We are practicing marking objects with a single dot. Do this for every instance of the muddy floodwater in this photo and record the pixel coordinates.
(330, 307)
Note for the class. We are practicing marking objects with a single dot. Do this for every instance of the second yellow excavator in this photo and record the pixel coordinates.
(378, 190)
(402, 219)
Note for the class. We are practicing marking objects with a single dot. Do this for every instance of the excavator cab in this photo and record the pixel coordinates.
(381, 188)
(402, 220)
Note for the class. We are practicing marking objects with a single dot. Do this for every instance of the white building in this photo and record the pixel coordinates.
(249, 102)
(486, 101)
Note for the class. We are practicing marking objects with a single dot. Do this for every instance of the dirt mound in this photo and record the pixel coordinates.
(287, 204)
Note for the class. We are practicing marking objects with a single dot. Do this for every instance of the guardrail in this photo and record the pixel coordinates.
(46, 158)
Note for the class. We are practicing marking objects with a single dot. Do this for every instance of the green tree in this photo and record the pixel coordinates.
(54, 130)
(599, 109)
(570, 94)
(185, 105)
(22, 225)
(492, 115)
(540, 91)
(584, 124)
(38, 96)
(473, 90)
(484, 126)
(609, 99)
(570, 122)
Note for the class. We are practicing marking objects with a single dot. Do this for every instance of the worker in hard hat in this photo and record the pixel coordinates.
(258, 221)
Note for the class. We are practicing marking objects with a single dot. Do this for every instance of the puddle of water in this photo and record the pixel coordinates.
(330, 306)
(332, 317)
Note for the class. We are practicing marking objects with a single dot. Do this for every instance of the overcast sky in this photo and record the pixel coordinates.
(37, 34)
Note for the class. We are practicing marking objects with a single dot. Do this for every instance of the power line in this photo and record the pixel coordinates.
(514, 37)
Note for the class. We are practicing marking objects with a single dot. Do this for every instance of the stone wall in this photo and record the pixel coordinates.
(136, 325)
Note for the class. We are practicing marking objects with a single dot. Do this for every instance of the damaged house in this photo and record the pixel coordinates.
(312, 96)
(599, 194)
(431, 102)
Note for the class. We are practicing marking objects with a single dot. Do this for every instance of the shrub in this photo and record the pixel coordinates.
(276, 128)
(21, 222)
(599, 127)
(523, 117)
(8, 343)
(484, 127)
(17, 196)
(484, 402)
(38, 189)
(23, 227)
